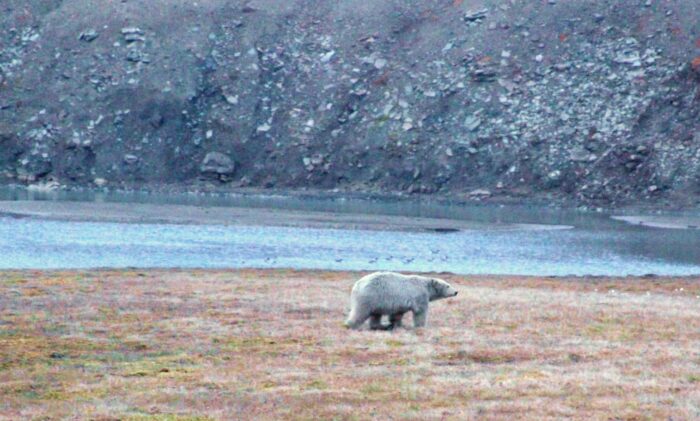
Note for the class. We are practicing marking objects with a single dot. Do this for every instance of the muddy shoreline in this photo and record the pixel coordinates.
(143, 213)
(176, 205)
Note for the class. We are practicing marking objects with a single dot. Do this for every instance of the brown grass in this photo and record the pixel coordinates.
(254, 344)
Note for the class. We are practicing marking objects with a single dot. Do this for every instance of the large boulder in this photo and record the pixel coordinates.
(218, 164)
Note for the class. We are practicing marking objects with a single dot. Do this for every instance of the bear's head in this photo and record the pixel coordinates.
(440, 289)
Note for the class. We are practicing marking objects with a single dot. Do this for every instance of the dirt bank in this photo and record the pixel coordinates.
(586, 102)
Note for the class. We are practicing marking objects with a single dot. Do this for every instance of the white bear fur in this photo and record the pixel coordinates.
(393, 294)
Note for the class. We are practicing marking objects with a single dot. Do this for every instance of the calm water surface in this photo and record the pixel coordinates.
(596, 245)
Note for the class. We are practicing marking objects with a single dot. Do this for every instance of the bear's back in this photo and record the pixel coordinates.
(387, 282)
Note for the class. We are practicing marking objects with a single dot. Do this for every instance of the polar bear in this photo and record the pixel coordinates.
(393, 294)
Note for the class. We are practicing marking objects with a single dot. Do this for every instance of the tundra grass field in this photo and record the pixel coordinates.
(269, 344)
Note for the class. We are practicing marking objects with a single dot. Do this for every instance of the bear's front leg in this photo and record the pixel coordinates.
(420, 312)
(419, 318)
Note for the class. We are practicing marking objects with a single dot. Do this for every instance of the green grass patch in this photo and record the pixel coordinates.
(317, 384)
(372, 388)
(395, 343)
(263, 343)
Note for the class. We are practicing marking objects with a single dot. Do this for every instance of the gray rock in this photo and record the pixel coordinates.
(476, 16)
(47, 186)
(484, 74)
(34, 168)
(580, 155)
(380, 63)
(230, 98)
(629, 57)
(131, 159)
(88, 35)
(131, 30)
(327, 57)
(134, 56)
(133, 34)
(218, 163)
(480, 193)
(134, 38)
(554, 179)
(472, 123)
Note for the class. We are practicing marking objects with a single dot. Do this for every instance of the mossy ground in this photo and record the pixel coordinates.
(253, 344)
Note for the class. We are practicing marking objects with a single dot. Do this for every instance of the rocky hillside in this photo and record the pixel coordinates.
(594, 102)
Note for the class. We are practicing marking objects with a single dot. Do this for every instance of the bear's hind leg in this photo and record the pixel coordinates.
(375, 322)
(395, 320)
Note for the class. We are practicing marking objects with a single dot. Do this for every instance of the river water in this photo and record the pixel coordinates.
(594, 245)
